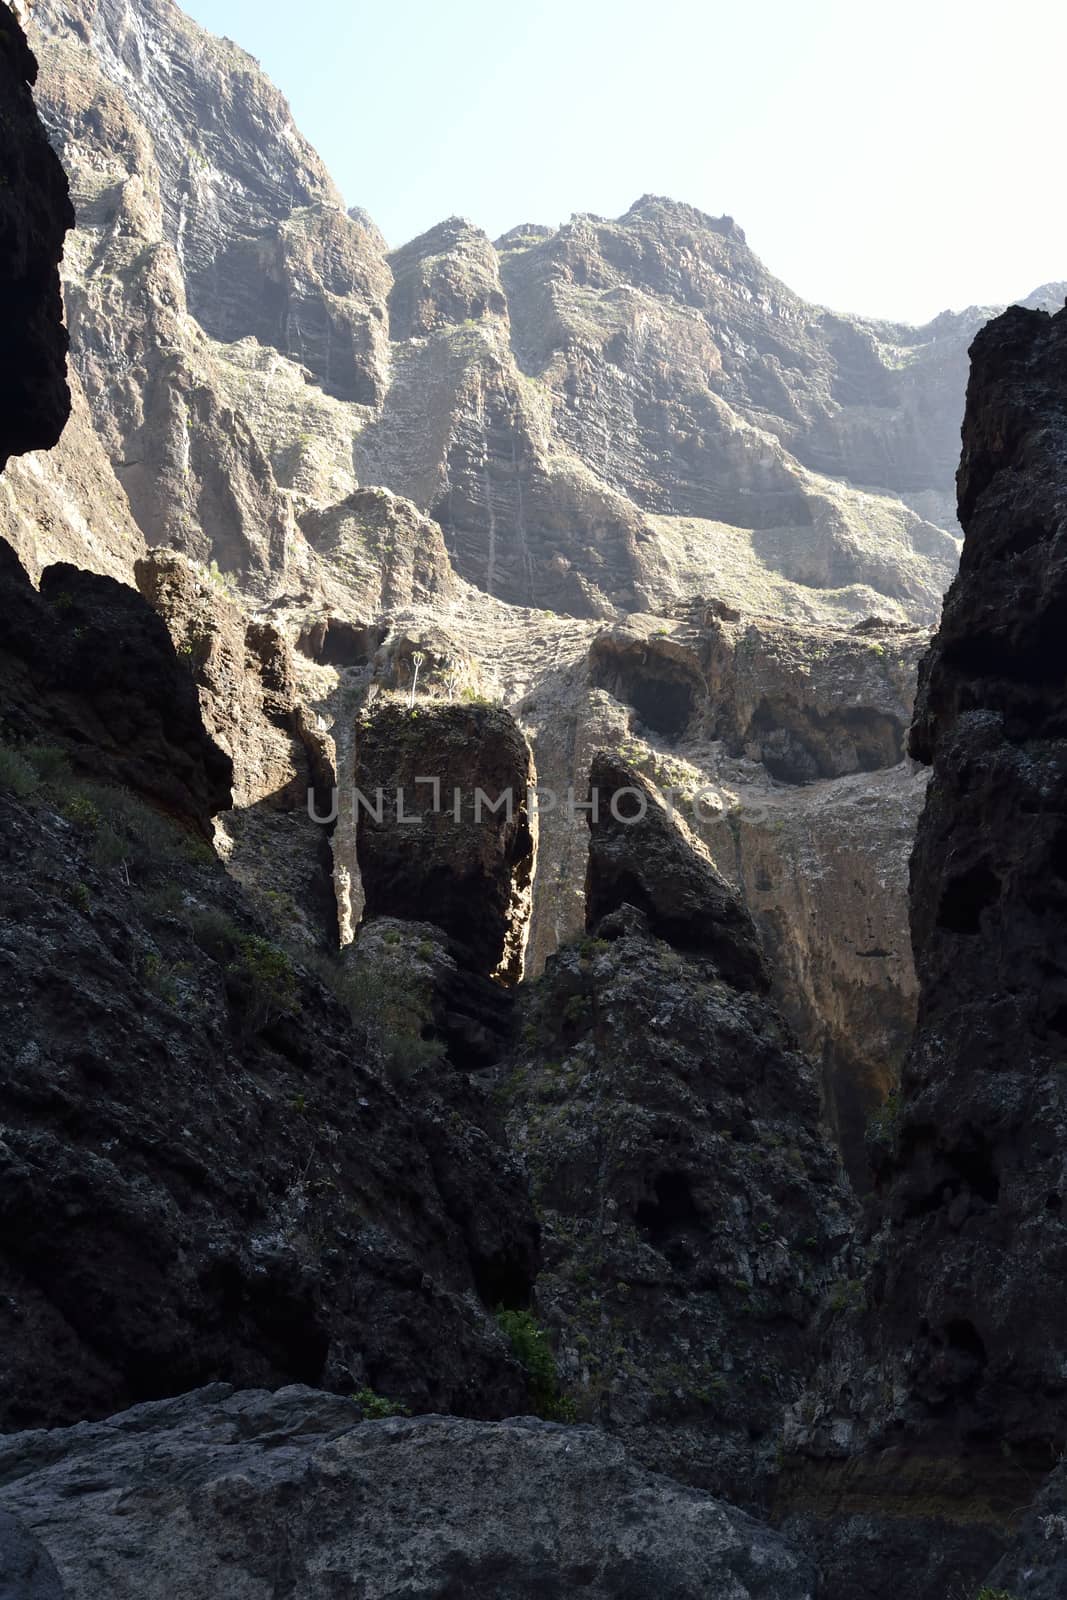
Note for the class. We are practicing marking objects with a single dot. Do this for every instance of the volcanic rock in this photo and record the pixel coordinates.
(222, 1493)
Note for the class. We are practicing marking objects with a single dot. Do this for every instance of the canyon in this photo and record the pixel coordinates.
(643, 1178)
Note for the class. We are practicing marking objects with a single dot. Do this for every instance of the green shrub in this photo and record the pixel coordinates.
(392, 1007)
(530, 1347)
(82, 812)
(78, 895)
(848, 1294)
(51, 764)
(17, 776)
(267, 974)
(215, 932)
(374, 1406)
(882, 1124)
(159, 978)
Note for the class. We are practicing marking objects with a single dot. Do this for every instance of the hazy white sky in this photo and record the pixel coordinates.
(887, 158)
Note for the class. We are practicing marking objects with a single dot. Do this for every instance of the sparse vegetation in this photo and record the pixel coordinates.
(265, 973)
(847, 1294)
(883, 1123)
(530, 1347)
(17, 776)
(375, 1406)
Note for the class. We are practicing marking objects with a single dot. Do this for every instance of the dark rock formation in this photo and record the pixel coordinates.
(88, 666)
(35, 214)
(950, 1400)
(27, 1571)
(455, 849)
(691, 1205)
(223, 1492)
(1035, 1564)
(638, 857)
(205, 1173)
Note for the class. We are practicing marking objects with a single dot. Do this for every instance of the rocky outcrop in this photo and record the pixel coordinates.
(760, 734)
(88, 667)
(66, 504)
(691, 1206)
(952, 1382)
(252, 705)
(444, 827)
(448, 275)
(35, 214)
(221, 1490)
(376, 553)
(638, 857)
(207, 1172)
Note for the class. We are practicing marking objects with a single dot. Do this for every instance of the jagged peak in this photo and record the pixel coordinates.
(680, 211)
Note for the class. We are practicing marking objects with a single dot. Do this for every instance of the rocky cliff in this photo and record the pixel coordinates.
(483, 444)
(692, 1206)
(499, 445)
(946, 1403)
(599, 505)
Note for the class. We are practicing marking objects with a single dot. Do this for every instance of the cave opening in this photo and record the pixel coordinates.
(663, 695)
(966, 896)
(672, 1209)
(336, 643)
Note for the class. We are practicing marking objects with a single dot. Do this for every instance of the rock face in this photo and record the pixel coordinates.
(27, 1571)
(637, 857)
(252, 704)
(600, 417)
(949, 1398)
(781, 748)
(576, 424)
(35, 214)
(223, 1493)
(87, 666)
(691, 1205)
(455, 848)
(206, 1171)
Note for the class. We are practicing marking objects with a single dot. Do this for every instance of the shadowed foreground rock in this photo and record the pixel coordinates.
(691, 1205)
(27, 1571)
(948, 1400)
(87, 665)
(214, 1496)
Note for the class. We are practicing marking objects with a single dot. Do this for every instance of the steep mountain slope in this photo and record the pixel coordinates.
(545, 399)
(482, 450)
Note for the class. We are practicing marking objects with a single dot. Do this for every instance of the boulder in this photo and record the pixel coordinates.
(220, 1494)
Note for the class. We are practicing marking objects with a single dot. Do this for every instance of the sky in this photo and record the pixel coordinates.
(892, 159)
